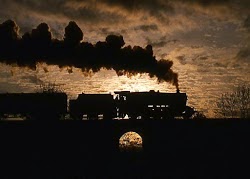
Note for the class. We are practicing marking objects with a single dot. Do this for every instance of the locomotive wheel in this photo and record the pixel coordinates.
(133, 116)
(1, 117)
(76, 116)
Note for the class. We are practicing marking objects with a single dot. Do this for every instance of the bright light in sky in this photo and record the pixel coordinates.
(208, 41)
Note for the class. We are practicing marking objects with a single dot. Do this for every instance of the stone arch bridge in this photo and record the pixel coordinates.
(77, 147)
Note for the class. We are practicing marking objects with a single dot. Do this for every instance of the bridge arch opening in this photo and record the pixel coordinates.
(130, 141)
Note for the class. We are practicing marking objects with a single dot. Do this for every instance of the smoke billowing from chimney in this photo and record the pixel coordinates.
(39, 46)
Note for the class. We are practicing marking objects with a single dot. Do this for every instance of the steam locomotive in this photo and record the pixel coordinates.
(123, 104)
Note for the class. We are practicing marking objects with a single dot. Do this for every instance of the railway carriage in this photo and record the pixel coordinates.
(37, 106)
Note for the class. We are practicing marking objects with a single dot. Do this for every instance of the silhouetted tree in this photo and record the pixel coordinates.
(235, 103)
(50, 88)
(198, 115)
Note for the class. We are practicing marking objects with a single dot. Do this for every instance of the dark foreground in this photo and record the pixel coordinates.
(90, 149)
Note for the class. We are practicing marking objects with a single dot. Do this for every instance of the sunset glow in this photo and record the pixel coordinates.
(208, 43)
(130, 141)
(124, 88)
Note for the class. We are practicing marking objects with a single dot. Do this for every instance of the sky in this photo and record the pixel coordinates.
(208, 42)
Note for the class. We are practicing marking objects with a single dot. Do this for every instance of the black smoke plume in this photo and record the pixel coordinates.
(39, 46)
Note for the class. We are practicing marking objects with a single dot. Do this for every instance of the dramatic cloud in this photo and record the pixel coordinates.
(107, 11)
(244, 54)
(73, 34)
(247, 23)
(147, 28)
(9, 31)
(161, 42)
(208, 41)
(38, 46)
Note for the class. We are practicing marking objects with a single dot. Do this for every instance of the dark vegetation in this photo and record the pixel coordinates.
(235, 103)
(50, 88)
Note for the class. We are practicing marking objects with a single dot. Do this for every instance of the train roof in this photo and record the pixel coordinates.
(31, 93)
(147, 92)
(95, 94)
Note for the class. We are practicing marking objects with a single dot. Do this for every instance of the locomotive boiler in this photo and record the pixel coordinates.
(152, 105)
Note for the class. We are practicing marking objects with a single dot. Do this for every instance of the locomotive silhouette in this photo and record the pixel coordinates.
(123, 104)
